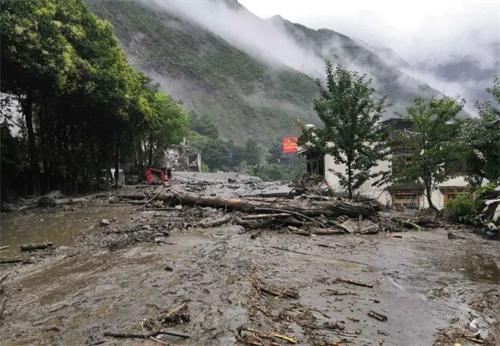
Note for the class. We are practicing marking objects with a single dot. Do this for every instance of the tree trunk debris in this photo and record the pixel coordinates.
(32, 247)
(352, 282)
(377, 316)
(268, 210)
(146, 335)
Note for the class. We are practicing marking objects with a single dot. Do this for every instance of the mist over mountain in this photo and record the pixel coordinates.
(452, 45)
(250, 76)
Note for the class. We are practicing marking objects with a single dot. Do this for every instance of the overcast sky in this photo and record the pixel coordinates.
(416, 30)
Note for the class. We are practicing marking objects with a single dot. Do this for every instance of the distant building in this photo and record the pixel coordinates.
(181, 157)
(411, 195)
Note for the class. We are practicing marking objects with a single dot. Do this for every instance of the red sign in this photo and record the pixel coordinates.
(289, 145)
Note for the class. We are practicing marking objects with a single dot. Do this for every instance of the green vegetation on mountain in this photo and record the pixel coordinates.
(240, 94)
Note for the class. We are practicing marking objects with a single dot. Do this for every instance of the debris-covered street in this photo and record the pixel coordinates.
(133, 267)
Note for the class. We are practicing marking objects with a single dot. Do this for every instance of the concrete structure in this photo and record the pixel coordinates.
(407, 195)
(182, 158)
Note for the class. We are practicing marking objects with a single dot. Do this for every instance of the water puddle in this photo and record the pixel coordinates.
(58, 227)
(475, 267)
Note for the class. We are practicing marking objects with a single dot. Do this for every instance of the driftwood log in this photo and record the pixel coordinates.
(11, 260)
(146, 335)
(263, 212)
(32, 247)
(303, 207)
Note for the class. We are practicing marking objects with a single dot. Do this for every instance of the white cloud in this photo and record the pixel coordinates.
(414, 29)
(426, 33)
(265, 39)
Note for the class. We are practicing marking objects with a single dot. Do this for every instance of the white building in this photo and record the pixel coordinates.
(408, 195)
(403, 195)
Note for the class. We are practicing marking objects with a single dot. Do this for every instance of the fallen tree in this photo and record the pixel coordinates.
(304, 206)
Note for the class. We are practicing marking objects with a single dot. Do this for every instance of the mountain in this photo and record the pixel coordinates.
(464, 74)
(252, 77)
(380, 64)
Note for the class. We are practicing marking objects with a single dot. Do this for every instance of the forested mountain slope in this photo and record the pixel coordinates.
(240, 89)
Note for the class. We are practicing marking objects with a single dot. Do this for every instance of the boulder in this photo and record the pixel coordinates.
(105, 222)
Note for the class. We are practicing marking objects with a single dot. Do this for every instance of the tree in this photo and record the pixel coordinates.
(481, 139)
(203, 125)
(252, 152)
(432, 148)
(351, 115)
(165, 125)
(83, 106)
(275, 153)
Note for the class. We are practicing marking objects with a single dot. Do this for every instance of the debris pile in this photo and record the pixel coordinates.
(154, 328)
(258, 205)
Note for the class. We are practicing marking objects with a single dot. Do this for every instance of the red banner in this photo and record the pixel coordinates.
(289, 145)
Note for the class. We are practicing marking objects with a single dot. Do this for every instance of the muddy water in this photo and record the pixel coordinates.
(60, 228)
(420, 282)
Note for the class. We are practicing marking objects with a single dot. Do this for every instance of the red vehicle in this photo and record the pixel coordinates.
(162, 174)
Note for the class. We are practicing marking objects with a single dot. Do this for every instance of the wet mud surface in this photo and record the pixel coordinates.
(242, 286)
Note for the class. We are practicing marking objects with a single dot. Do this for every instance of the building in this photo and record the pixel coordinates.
(182, 158)
(410, 195)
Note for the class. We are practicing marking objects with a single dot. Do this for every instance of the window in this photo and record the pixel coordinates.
(406, 199)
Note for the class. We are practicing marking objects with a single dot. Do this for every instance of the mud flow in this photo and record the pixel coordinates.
(130, 269)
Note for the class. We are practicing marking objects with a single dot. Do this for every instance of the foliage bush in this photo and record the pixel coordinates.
(463, 208)
(466, 207)
(275, 171)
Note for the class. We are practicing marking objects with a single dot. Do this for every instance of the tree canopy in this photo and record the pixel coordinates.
(351, 114)
(431, 147)
(83, 106)
(481, 138)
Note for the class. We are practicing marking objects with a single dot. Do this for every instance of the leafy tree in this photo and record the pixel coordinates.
(252, 152)
(203, 126)
(275, 153)
(216, 154)
(165, 125)
(481, 138)
(432, 148)
(83, 105)
(351, 115)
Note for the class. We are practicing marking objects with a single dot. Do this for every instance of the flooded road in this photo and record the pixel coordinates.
(422, 283)
(60, 228)
(113, 284)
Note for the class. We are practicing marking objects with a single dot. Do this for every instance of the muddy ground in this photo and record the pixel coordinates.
(238, 285)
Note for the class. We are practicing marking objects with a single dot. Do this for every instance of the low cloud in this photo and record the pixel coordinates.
(264, 39)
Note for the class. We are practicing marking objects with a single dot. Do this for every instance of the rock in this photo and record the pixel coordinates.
(453, 236)
(157, 204)
(231, 180)
(178, 207)
(146, 227)
(336, 325)
(105, 222)
(364, 227)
